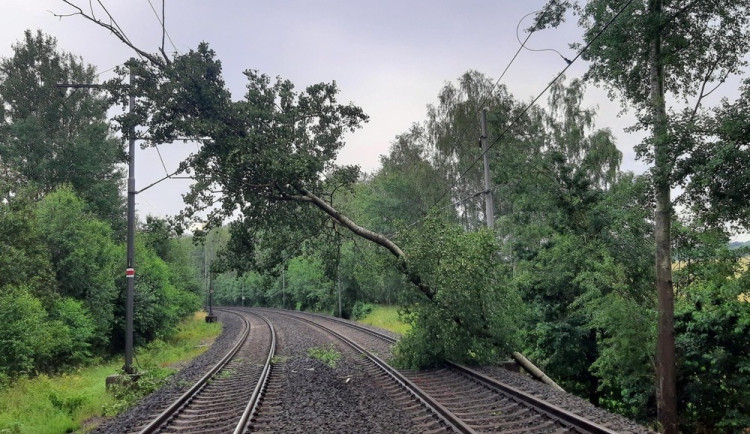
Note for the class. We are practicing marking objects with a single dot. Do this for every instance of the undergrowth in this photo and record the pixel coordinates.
(57, 404)
(386, 317)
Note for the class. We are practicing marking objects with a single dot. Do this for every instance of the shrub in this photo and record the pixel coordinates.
(78, 327)
(473, 315)
(712, 326)
(361, 310)
(25, 338)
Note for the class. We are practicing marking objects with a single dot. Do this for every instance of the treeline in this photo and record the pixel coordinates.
(566, 276)
(62, 227)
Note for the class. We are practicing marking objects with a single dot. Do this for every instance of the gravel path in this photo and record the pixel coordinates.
(178, 383)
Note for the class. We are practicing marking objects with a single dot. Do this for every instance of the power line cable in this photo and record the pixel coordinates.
(531, 104)
(163, 27)
(523, 44)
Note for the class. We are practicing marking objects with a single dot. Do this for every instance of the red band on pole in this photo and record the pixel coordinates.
(130, 272)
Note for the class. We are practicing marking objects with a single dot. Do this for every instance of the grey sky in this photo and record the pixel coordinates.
(389, 57)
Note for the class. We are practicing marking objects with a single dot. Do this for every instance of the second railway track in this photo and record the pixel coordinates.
(480, 403)
(245, 392)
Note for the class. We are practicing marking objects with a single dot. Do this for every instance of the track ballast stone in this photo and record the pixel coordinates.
(306, 395)
(151, 405)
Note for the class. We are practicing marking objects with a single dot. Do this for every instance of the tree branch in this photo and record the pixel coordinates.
(114, 30)
(352, 226)
(702, 93)
(369, 235)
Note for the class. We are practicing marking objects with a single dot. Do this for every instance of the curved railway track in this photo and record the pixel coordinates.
(431, 416)
(474, 402)
(224, 399)
(241, 394)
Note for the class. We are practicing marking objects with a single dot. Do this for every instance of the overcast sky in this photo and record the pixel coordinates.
(389, 57)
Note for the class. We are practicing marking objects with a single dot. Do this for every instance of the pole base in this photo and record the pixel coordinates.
(211, 318)
(122, 379)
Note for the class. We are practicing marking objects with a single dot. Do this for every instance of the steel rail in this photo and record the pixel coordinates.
(450, 419)
(567, 418)
(162, 419)
(252, 405)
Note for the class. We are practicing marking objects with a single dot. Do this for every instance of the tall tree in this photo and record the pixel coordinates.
(268, 157)
(453, 128)
(51, 136)
(653, 50)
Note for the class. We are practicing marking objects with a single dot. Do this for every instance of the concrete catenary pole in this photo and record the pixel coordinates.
(130, 271)
(488, 204)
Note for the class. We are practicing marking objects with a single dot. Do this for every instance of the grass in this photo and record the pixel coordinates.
(327, 355)
(386, 317)
(64, 403)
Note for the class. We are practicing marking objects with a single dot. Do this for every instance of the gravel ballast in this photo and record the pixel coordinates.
(343, 397)
(177, 384)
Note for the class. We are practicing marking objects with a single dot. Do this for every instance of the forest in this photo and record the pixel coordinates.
(597, 275)
(62, 225)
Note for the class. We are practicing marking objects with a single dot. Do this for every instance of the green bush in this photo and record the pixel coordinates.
(78, 329)
(361, 310)
(25, 337)
(473, 316)
(84, 257)
(712, 327)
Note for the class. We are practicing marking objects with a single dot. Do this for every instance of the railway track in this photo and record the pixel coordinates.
(430, 416)
(225, 398)
(479, 403)
(243, 393)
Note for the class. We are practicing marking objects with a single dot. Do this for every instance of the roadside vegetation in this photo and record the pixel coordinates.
(78, 400)
(386, 317)
(62, 252)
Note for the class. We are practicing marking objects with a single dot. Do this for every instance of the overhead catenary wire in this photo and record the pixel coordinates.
(466, 127)
(114, 23)
(528, 106)
(162, 24)
(166, 172)
(523, 44)
(557, 77)
(106, 70)
(482, 101)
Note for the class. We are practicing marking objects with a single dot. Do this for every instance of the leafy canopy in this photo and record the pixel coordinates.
(45, 131)
(258, 154)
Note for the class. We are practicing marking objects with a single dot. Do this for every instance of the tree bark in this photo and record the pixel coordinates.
(665, 353)
(368, 235)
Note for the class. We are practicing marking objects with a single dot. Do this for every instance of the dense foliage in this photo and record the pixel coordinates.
(61, 221)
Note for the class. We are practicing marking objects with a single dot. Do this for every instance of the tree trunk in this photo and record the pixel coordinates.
(665, 353)
(371, 236)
